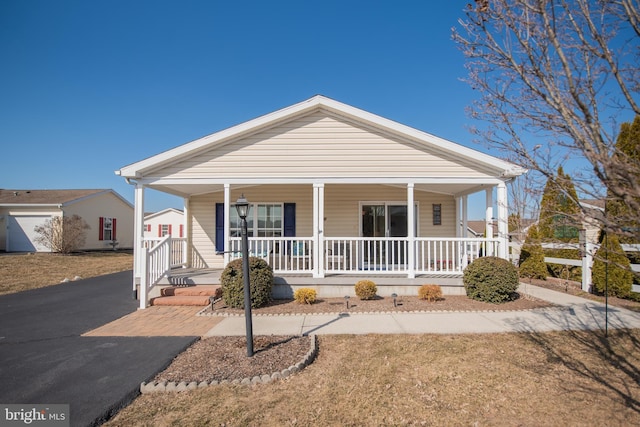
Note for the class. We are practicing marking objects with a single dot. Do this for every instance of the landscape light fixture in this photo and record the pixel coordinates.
(346, 300)
(242, 206)
(394, 296)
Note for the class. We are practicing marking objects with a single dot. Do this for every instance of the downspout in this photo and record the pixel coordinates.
(137, 244)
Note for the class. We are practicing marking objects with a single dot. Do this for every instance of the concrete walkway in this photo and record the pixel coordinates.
(572, 313)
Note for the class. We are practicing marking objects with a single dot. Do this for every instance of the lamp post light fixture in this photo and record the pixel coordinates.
(242, 207)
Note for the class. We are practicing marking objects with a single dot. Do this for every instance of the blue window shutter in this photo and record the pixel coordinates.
(219, 227)
(289, 219)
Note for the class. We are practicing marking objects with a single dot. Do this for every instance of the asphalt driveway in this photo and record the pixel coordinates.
(44, 358)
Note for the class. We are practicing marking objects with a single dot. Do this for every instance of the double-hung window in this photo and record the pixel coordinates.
(107, 229)
(263, 220)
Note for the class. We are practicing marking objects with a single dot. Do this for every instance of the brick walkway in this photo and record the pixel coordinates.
(158, 321)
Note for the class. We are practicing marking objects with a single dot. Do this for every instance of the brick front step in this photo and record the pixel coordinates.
(187, 295)
(199, 300)
(198, 290)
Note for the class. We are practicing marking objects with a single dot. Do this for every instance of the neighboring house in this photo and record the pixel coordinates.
(109, 216)
(329, 187)
(169, 221)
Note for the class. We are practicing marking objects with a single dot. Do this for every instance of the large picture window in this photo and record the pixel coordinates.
(263, 220)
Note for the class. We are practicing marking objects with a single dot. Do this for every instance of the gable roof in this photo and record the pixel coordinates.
(51, 197)
(318, 103)
(162, 212)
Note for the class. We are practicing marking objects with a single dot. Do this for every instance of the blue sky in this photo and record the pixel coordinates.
(88, 86)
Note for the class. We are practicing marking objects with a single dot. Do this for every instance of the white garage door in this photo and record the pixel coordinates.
(21, 237)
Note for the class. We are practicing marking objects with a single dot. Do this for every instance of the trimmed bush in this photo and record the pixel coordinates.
(305, 296)
(531, 262)
(260, 280)
(611, 269)
(430, 292)
(533, 265)
(366, 289)
(491, 279)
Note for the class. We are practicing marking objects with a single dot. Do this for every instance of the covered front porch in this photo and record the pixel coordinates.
(335, 191)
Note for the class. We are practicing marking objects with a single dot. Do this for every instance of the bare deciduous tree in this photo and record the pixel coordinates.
(62, 234)
(560, 71)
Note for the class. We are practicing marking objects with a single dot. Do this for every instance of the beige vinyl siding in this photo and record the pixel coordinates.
(203, 207)
(104, 205)
(342, 209)
(203, 231)
(341, 218)
(316, 146)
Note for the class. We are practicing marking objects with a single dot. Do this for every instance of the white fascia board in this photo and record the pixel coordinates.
(150, 181)
(164, 211)
(100, 193)
(509, 169)
(31, 205)
(135, 170)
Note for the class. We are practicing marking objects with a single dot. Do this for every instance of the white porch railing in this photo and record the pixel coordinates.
(178, 249)
(284, 254)
(159, 256)
(361, 255)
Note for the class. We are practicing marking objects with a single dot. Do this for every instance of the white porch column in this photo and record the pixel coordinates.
(186, 255)
(411, 232)
(465, 216)
(138, 234)
(318, 230)
(488, 219)
(503, 221)
(458, 199)
(227, 223)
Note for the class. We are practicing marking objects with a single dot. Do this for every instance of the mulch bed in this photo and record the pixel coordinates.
(378, 305)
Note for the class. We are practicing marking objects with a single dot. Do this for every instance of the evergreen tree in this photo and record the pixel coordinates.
(611, 269)
(560, 221)
(620, 218)
(532, 263)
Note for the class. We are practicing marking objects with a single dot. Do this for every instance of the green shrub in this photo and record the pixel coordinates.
(430, 292)
(531, 261)
(611, 269)
(305, 296)
(366, 289)
(491, 279)
(260, 280)
(532, 264)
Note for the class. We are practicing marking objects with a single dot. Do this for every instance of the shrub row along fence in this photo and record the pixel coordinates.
(586, 262)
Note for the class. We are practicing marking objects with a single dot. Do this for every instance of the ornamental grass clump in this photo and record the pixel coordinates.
(491, 279)
(430, 292)
(305, 296)
(260, 281)
(366, 289)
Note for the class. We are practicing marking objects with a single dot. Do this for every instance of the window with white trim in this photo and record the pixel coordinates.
(107, 229)
(263, 220)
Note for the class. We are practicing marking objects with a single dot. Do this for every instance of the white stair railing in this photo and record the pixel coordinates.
(155, 265)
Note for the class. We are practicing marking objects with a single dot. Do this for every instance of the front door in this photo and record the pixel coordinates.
(383, 220)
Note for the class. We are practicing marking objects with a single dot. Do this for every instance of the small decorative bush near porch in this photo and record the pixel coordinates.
(366, 289)
(491, 279)
(305, 296)
(260, 279)
(430, 292)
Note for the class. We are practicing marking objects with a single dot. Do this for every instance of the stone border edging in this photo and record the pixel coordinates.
(172, 386)
(350, 313)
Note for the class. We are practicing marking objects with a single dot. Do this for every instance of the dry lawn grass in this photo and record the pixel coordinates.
(21, 272)
(559, 378)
